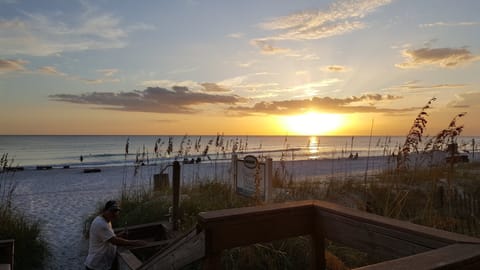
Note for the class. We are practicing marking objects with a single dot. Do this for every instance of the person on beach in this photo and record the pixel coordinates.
(103, 242)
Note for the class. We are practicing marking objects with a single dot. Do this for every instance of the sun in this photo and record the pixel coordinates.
(313, 123)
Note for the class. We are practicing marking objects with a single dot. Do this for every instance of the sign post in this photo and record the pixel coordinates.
(251, 177)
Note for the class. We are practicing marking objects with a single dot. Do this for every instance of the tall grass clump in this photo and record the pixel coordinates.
(30, 250)
(414, 136)
(138, 207)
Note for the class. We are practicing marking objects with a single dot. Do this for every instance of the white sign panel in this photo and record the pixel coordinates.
(250, 176)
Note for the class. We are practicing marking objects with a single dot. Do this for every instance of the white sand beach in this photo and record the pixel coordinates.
(61, 199)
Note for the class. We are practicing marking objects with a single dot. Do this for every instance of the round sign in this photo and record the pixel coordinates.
(250, 162)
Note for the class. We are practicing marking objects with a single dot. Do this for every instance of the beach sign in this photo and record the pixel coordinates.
(251, 177)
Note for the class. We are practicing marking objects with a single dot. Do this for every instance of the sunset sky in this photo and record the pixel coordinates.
(245, 67)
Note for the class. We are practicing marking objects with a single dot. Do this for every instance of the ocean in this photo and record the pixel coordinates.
(90, 150)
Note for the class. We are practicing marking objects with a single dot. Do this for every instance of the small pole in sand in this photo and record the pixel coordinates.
(176, 194)
(366, 167)
(351, 146)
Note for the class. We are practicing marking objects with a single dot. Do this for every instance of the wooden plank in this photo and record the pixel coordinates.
(386, 238)
(253, 210)
(255, 225)
(154, 230)
(127, 260)
(375, 240)
(404, 228)
(184, 251)
(456, 256)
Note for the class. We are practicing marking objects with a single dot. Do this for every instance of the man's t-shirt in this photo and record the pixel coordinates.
(101, 253)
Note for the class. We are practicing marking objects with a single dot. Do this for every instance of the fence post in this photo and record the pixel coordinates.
(234, 172)
(318, 260)
(176, 194)
(268, 180)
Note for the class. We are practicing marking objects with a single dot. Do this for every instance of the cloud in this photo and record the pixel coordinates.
(10, 65)
(414, 86)
(246, 64)
(334, 68)
(153, 99)
(466, 100)
(169, 84)
(108, 72)
(324, 104)
(441, 57)
(340, 18)
(267, 47)
(317, 84)
(213, 87)
(236, 35)
(438, 24)
(50, 70)
(43, 35)
(98, 81)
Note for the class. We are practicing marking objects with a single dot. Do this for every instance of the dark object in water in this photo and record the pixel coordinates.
(14, 169)
(66, 167)
(44, 167)
(457, 159)
(94, 170)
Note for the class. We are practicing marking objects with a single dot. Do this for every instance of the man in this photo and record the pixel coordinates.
(103, 242)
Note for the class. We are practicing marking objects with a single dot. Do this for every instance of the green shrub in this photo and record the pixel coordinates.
(30, 250)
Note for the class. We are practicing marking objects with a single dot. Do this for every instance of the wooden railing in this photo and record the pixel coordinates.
(403, 244)
(7, 250)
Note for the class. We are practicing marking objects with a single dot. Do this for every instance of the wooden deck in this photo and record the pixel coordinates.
(402, 245)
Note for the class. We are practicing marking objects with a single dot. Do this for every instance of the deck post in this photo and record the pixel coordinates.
(318, 253)
(212, 262)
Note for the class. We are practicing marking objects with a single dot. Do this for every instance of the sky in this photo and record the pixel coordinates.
(263, 67)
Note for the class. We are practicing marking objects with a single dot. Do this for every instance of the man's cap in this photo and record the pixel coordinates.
(112, 206)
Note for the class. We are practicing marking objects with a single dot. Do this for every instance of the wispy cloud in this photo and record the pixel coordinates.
(266, 47)
(236, 35)
(42, 35)
(340, 18)
(324, 104)
(108, 72)
(416, 86)
(183, 70)
(99, 80)
(440, 57)
(335, 68)
(466, 100)
(154, 99)
(169, 84)
(106, 78)
(10, 65)
(440, 24)
(50, 70)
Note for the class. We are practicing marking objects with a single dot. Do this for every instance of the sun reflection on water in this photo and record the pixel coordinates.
(313, 145)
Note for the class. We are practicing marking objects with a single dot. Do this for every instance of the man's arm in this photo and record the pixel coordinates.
(118, 241)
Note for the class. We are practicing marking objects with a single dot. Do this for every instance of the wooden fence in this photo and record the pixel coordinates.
(463, 209)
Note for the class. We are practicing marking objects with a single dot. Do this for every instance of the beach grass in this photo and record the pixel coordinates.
(31, 250)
